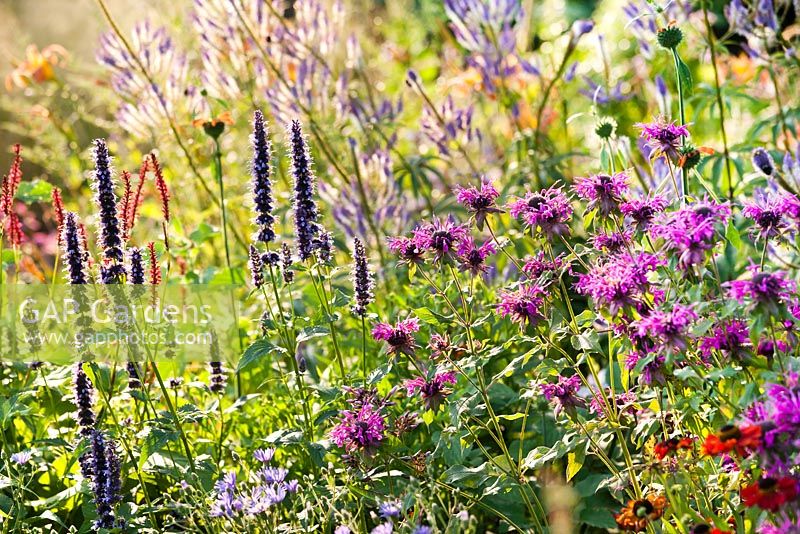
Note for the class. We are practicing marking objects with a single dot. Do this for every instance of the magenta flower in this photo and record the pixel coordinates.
(546, 212)
(536, 266)
(619, 281)
(481, 201)
(624, 401)
(603, 192)
(763, 288)
(664, 138)
(563, 393)
(691, 231)
(398, 337)
(650, 365)
(360, 430)
(407, 249)
(769, 211)
(472, 258)
(643, 210)
(728, 337)
(440, 236)
(433, 391)
(613, 242)
(524, 305)
(670, 328)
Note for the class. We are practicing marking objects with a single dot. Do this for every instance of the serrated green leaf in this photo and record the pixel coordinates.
(256, 351)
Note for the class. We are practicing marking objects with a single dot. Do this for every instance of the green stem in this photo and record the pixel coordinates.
(677, 59)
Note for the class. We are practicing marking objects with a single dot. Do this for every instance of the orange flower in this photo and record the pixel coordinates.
(637, 514)
(732, 437)
(672, 445)
(38, 67)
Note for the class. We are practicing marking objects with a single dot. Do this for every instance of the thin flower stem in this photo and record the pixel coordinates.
(677, 59)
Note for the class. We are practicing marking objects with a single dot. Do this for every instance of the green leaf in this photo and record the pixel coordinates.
(203, 233)
(312, 332)
(256, 351)
(597, 517)
(686, 77)
(575, 461)
(57, 499)
(34, 191)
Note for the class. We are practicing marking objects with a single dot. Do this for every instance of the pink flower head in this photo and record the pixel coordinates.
(692, 231)
(613, 242)
(406, 248)
(359, 430)
(547, 211)
(619, 281)
(536, 266)
(524, 305)
(563, 393)
(398, 337)
(481, 201)
(728, 337)
(440, 236)
(763, 288)
(433, 391)
(603, 191)
(668, 327)
(472, 258)
(643, 210)
(663, 137)
(770, 210)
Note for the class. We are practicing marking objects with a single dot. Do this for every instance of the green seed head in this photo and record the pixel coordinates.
(670, 37)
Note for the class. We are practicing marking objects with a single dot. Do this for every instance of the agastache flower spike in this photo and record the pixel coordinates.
(83, 399)
(256, 267)
(109, 231)
(217, 376)
(74, 253)
(106, 482)
(137, 266)
(286, 264)
(363, 283)
(262, 183)
(304, 205)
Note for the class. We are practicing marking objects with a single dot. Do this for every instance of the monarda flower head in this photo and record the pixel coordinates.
(359, 430)
(407, 249)
(769, 290)
(731, 338)
(546, 212)
(303, 203)
(778, 415)
(612, 242)
(525, 305)
(110, 235)
(441, 237)
(74, 253)
(563, 394)
(262, 181)
(669, 327)
(481, 202)
(472, 258)
(769, 211)
(536, 266)
(663, 137)
(691, 231)
(363, 283)
(642, 211)
(398, 337)
(619, 281)
(433, 391)
(602, 191)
